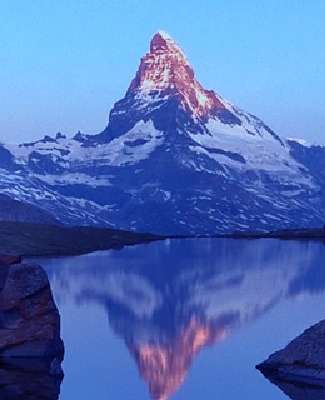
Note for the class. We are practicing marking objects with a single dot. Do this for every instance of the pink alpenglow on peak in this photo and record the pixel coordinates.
(163, 42)
(165, 70)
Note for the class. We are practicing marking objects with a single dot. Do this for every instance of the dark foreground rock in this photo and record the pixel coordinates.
(302, 361)
(28, 379)
(29, 320)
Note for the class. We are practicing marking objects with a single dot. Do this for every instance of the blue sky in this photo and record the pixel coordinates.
(64, 63)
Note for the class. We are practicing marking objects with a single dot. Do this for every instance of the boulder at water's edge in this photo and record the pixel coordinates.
(29, 318)
(301, 361)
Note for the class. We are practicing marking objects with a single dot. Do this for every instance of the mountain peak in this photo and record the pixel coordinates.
(162, 43)
(164, 35)
(165, 71)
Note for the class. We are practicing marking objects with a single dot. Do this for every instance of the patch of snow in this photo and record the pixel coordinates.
(302, 142)
(69, 152)
(262, 153)
(74, 179)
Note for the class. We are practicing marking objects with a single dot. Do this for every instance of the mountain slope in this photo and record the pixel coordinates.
(14, 210)
(176, 158)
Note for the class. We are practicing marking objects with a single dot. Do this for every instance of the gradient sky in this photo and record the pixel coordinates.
(64, 63)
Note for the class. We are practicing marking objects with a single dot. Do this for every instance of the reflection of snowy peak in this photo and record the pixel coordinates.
(174, 158)
(167, 308)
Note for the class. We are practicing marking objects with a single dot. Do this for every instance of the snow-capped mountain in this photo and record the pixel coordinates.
(174, 158)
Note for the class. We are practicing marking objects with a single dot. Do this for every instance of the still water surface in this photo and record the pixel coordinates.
(184, 319)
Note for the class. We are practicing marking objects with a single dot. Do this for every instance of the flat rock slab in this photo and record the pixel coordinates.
(301, 361)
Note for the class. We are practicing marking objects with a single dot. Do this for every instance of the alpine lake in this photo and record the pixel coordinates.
(184, 319)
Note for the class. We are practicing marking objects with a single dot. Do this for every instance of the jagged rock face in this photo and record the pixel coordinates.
(312, 157)
(166, 71)
(29, 319)
(302, 360)
(165, 82)
(6, 158)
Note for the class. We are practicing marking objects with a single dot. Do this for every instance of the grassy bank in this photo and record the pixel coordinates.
(38, 239)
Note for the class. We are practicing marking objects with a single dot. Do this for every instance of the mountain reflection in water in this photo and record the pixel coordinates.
(169, 300)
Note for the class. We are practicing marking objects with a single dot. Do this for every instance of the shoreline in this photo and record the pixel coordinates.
(284, 234)
(41, 240)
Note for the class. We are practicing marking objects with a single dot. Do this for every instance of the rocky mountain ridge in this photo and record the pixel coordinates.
(175, 158)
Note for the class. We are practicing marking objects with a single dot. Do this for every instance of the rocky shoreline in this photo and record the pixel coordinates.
(30, 239)
(286, 234)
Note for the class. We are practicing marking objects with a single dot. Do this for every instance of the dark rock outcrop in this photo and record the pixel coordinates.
(29, 319)
(302, 361)
(28, 379)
